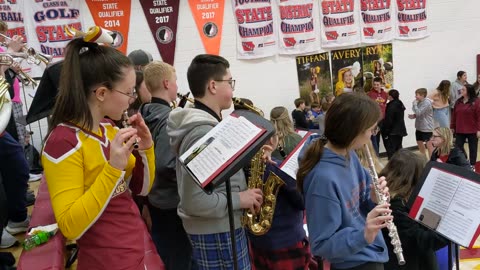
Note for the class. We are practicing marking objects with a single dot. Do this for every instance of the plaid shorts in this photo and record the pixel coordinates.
(297, 257)
(214, 252)
(17, 115)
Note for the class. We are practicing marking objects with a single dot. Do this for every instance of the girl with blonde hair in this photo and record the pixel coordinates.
(287, 137)
(441, 111)
(445, 150)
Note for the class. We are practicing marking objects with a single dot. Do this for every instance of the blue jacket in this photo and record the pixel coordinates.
(337, 201)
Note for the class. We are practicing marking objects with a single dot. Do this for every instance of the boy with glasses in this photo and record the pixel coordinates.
(205, 216)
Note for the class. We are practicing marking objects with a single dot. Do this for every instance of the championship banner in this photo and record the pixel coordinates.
(11, 12)
(376, 21)
(377, 62)
(113, 15)
(346, 70)
(411, 19)
(45, 22)
(162, 18)
(297, 32)
(208, 15)
(314, 77)
(256, 32)
(339, 23)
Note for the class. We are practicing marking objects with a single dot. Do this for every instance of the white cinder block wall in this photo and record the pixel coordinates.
(453, 44)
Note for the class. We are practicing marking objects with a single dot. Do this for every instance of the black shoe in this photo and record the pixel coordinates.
(30, 199)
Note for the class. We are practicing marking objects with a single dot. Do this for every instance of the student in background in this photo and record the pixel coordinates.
(423, 115)
(394, 123)
(445, 150)
(378, 94)
(300, 120)
(287, 137)
(419, 243)
(343, 222)
(441, 108)
(167, 231)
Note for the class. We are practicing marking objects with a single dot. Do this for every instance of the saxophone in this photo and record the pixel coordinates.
(259, 223)
(383, 199)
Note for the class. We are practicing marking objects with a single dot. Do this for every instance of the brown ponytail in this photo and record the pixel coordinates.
(349, 115)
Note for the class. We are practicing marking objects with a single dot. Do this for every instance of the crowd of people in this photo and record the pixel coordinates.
(112, 183)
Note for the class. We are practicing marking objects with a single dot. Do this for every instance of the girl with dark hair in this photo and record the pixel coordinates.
(394, 123)
(465, 122)
(441, 111)
(144, 95)
(342, 221)
(91, 166)
(419, 243)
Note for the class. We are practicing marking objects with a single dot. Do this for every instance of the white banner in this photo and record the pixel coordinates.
(12, 14)
(411, 19)
(376, 21)
(339, 23)
(256, 34)
(297, 33)
(45, 21)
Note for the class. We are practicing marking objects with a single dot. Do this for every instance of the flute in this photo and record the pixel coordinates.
(383, 199)
(126, 125)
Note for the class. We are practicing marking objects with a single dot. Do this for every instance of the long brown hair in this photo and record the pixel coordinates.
(403, 171)
(87, 65)
(350, 115)
(444, 89)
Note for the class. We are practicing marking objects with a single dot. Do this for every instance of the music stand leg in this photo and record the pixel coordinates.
(232, 224)
(450, 256)
(457, 257)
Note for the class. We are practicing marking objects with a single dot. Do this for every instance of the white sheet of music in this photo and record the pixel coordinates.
(290, 164)
(219, 146)
(456, 201)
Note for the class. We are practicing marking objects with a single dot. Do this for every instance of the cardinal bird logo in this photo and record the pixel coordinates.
(404, 30)
(289, 42)
(368, 31)
(331, 35)
(248, 46)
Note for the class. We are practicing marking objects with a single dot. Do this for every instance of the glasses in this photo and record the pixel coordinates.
(231, 82)
(133, 95)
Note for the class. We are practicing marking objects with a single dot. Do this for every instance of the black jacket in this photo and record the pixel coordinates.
(394, 122)
(418, 242)
(456, 157)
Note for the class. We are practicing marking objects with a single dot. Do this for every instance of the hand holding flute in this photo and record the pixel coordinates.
(143, 138)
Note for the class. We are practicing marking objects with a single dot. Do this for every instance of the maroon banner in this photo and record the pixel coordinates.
(162, 17)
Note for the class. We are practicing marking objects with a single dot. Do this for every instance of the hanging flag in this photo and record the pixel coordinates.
(411, 19)
(208, 16)
(12, 14)
(113, 15)
(376, 21)
(162, 18)
(339, 23)
(297, 31)
(45, 23)
(256, 33)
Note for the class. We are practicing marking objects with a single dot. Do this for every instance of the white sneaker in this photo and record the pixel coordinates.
(34, 177)
(7, 240)
(17, 227)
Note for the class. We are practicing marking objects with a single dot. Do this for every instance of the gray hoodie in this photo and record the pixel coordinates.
(200, 212)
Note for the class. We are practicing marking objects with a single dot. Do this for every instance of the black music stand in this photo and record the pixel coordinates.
(242, 160)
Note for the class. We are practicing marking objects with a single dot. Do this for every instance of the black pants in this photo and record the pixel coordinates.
(393, 144)
(170, 238)
(472, 145)
(365, 266)
(14, 170)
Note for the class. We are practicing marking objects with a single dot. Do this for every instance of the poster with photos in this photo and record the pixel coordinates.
(378, 62)
(314, 77)
(347, 70)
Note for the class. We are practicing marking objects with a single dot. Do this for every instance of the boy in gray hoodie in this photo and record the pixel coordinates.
(205, 216)
(168, 234)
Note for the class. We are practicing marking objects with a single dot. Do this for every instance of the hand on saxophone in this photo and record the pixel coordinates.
(251, 199)
(382, 187)
(376, 220)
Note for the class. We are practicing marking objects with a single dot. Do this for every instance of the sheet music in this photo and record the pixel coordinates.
(290, 164)
(219, 146)
(456, 203)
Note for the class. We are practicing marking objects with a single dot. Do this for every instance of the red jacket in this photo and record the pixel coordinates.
(466, 117)
(381, 98)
